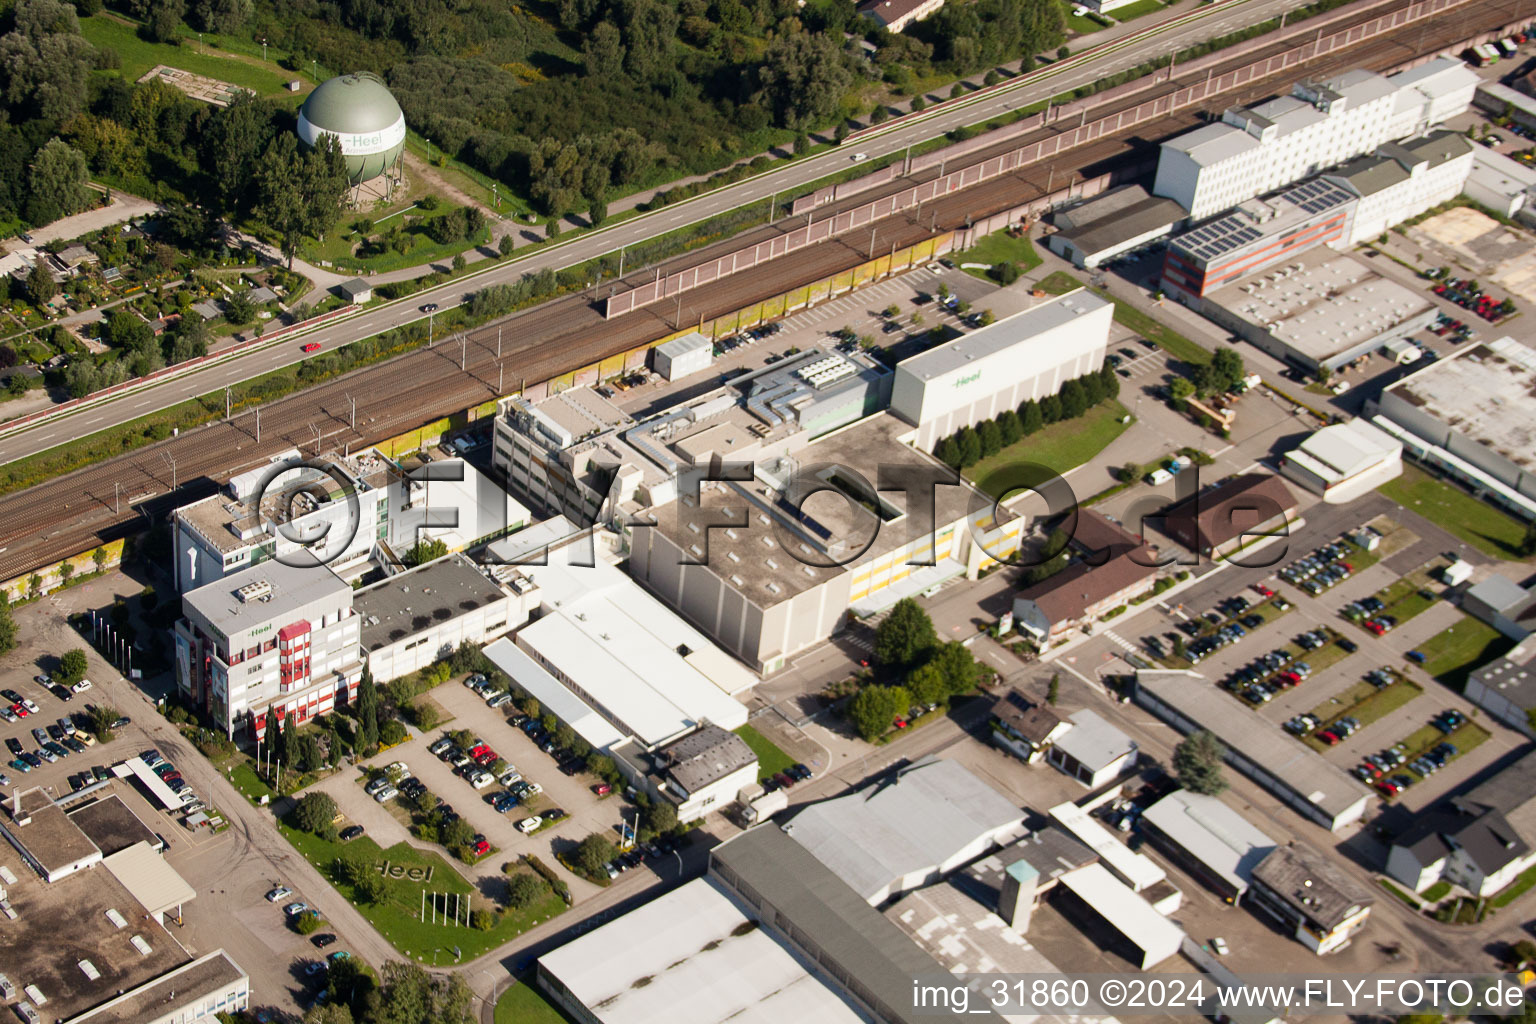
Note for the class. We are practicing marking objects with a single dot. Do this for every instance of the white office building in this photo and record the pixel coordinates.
(1256, 150)
(999, 367)
(1403, 179)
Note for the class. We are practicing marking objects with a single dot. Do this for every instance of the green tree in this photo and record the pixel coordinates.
(1010, 427)
(412, 995)
(73, 665)
(1528, 541)
(1228, 368)
(330, 1013)
(957, 666)
(370, 888)
(273, 738)
(927, 684)
(8, 626)
(506, 245)
(871, 711)
(905, 637)
(592, 853)
(1030, 420)
(162, 20)
(40, 284)
(315, 812)
(525, 889)
(238, 310)
(970, 447)
(1180, 389)
(367, 713)
(991, 438)
(802, 78)
(1197, 763)
(1051, 409)
(308, 923)
(948, 451)
(658, 819)
(1074, 401)
(101, 719)
(47, 63)
(424, 550)
(1053, 690)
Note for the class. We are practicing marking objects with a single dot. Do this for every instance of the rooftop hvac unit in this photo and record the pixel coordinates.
(254, 591)
(28, 1013)
(7, 988)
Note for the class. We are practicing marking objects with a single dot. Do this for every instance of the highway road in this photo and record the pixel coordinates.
(1203, 23)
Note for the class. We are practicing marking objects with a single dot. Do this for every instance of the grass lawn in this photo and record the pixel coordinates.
(249, 784)
(1516, 889)
(1059, 447)
(1081, 26)
(1437, 892)
(1394, 890)
(1452, 654)
(138, 56)
(770, 759)
(1475, 522)
(1058, 282)
(524, 1004)
(338, 245)
(1166, 338)
(397, 917)
(1137, 10)
(998, 247)
(1374, 706)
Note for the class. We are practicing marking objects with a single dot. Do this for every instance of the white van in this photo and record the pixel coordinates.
(1158, 477)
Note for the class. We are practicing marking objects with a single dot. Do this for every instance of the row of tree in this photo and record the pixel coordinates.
(969, 445)
(915, 668)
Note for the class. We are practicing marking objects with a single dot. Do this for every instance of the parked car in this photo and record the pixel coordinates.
(295, 909)
(351, 832)
(386, 794)
(528, 825)
(281, 892)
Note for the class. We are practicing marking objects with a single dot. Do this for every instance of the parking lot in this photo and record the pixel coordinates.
(1336, 686)
(585, 811)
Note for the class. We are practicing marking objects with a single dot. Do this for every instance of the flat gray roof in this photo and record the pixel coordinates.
(878, 959)
(1002, 335)
(425, 596)
(692, 955)
(1487, 392)
(62, 923)
(1117, 216)
(1296, 765)
(1093, 742)
(111, 825)
(213, 972)
(1212, 833)
(50, 837)
(1213, 143)
(1330, 304)
(293, 587)
(890, 829)
(707, 755)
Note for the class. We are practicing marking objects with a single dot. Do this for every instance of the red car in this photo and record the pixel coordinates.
(313, 346)
(1328, 736)
(482, 848)
(1389, 787)
(1289, 678)
(20, 710)
(1262, 589)
(1374, 627)
(602, 789)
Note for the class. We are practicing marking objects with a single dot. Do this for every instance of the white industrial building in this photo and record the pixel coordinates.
(1505, 186)
(419, 617)
(1028, 355)
(1093, 752)
(1153, 938)
(355, 509)
(1401, 180)
(279, 638)
(1307, 894)
(615, 664)
(1344, 461)
(1121, 220)
(1209, 840)
(1323, 309)
(898, 834)
(1256, 150)
(1471, 417)
(703, 962)
(692, 353)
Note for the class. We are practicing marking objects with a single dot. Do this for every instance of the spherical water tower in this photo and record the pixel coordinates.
(364, 117)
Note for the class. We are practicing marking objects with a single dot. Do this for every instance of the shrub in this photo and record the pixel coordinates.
(308, 924)
(482, 920)
(524, 890)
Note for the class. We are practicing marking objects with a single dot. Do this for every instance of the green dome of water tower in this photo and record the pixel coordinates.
(360, 111)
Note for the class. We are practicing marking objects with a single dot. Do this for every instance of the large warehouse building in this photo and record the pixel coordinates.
(977, 376)
(1471, 416)
(1342, 461)
(1324, 309)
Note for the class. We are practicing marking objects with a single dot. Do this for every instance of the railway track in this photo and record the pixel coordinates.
(118, 497)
